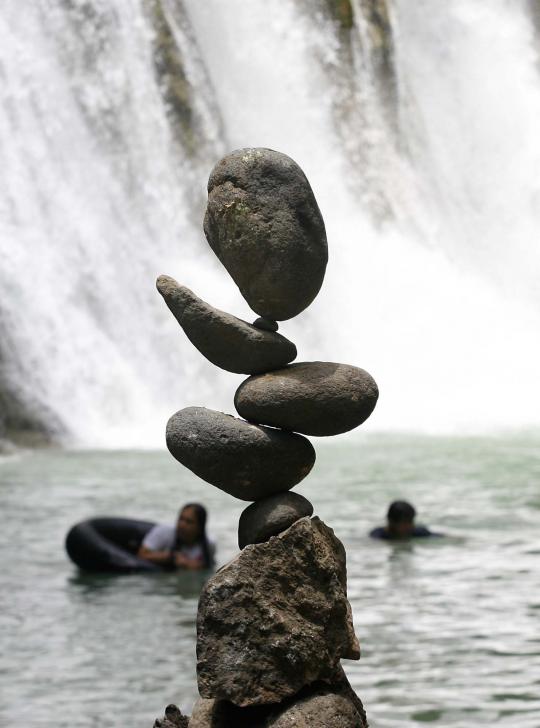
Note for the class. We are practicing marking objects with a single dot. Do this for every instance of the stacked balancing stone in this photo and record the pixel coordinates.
(274, 622)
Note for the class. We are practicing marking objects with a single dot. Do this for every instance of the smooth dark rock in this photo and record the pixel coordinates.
(316, 706)
(275, 618)
(266, 324)
(226, 341)
(263, 223)
(173, 718)
(245, 460)
(271, 516)
(315, 398)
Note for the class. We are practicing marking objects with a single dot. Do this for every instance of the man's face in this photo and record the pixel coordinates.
(401, 529)
(187, 526)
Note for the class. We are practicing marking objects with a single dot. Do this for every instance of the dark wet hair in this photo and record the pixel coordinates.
(201, 515)
(401, 512)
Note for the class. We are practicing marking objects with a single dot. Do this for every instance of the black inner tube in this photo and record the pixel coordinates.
(109, 545)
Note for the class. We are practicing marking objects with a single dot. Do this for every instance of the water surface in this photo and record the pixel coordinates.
(450, 630)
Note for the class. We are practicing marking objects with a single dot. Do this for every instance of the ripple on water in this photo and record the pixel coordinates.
(449, 630)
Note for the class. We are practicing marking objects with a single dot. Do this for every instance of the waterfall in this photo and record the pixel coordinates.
(416, 126)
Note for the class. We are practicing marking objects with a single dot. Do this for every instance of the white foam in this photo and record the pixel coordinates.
(440, 302)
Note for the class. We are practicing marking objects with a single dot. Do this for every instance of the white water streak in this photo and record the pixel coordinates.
(440, 303)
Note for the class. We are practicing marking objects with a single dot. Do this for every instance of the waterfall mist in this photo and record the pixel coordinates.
(416, 129)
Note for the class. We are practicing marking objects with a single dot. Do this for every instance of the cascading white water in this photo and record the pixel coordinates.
(438, 298)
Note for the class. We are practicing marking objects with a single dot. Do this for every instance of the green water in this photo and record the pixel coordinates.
(450, 630)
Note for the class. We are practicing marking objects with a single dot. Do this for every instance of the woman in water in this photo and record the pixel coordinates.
(183, 545)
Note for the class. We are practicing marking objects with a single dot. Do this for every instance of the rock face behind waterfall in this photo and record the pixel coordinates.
(274, 623)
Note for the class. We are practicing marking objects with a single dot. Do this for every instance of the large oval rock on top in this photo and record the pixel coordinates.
(315, 398)
(244, 460)
(226, 341)
(263, 223)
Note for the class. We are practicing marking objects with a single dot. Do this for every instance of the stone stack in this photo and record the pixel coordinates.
(274, 623)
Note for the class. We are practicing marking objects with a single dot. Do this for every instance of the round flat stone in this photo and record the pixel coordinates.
(244, 460)
(315, 398)
(270, 516)
(226, 341)
(263, 223)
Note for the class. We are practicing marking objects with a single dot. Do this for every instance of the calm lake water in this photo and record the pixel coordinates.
(450, 630)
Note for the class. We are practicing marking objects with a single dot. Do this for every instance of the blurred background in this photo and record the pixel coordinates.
(417, 126)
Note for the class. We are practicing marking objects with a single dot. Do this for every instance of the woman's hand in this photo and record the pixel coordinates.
(183, 562)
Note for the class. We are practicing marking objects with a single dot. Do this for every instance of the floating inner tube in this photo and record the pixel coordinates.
(109, 544)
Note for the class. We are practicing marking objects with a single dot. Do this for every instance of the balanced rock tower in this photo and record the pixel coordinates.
(273, 623)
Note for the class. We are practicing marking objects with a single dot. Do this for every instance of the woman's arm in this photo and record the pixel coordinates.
(183, 562)
(155, 557)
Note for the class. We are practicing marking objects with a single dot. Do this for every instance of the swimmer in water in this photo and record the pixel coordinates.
(183, 545)
(400, 524)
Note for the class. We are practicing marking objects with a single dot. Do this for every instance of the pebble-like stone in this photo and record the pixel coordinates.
(244, 460)
(314, 398)
(173, 718)
(270, 516)
(275, 618)
(263, 223)
(226, 341)
(266, 324)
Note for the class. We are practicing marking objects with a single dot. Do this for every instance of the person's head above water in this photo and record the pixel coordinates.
(191, 523)
(400, 524)
(400, 519)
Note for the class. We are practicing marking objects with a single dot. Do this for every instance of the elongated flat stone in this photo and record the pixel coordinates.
(244, 460)
(270, 516)
(275, 618)
(263, 223)
(315, 398)
(226, 341)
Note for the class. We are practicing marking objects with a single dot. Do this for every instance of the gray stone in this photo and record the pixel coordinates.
(266, 324)
(319, 708)
(316, 706)
(315, 398)
(244, 460)
(275, 618)
(205, 714)
(271, 516)
(226, 341)
(263, 223)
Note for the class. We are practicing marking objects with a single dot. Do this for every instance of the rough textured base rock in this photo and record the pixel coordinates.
(226, 341)
(271, 516)
(244, 460)
(173, 718)
(317, 706)
(315, 398)
(275, 618)
(263, 223)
